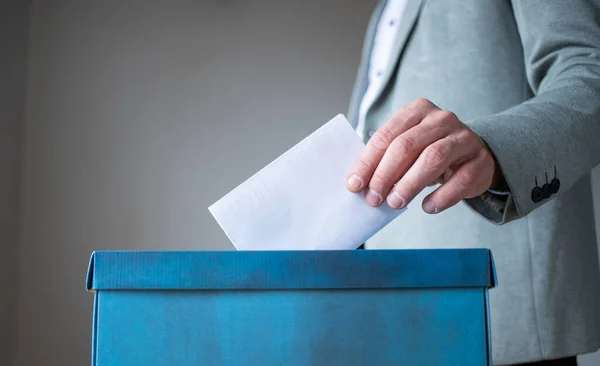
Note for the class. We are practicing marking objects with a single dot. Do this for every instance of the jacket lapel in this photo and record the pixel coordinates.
(405, 27)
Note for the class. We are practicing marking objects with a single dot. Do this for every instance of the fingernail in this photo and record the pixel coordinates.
(373, 198)
(395, 201)
(354, 182)
(429, 207)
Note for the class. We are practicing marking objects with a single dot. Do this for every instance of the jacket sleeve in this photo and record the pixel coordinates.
(545, 145)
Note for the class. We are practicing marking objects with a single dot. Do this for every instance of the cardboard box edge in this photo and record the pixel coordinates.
(95, 331)
(89, 280)
(494, 277)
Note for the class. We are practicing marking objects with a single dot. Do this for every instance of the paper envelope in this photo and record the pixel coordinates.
(300, 202)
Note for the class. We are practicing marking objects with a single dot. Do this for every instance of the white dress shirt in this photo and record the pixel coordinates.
(385, 35)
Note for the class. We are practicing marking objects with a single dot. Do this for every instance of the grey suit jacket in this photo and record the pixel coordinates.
(524, 75)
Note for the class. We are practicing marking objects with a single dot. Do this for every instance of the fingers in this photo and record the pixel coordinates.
(443, 178)
(469, 180)
(420, 146)
(431, 164)
(401, 154)
(408, 117)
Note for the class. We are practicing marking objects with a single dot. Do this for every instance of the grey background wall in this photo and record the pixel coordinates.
(13, 33)
(140, 115)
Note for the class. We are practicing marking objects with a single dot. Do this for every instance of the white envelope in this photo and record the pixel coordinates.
(300, 202)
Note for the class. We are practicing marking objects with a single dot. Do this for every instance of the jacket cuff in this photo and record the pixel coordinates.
(524, 170)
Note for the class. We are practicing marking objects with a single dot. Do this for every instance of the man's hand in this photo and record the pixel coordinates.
(422, 145)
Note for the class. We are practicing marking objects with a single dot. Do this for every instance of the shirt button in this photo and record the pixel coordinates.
(392, 22)
(379, 73)
(371, 132)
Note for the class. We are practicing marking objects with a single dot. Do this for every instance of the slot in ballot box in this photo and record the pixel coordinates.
(357, 307)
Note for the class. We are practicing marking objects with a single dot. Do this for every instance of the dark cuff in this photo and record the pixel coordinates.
(497, 207)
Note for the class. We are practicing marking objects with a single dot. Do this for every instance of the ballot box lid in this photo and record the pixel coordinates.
(289, 270)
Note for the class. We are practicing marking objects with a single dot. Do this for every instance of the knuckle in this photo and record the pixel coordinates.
(436, 155)
(364, 164)
(403, 145)
(408, 190)
(405, 115)
(381, 139)
(378, 181)
(422, 103)
(465, 134)
(485, 156)
(448, 116)
(466, 178)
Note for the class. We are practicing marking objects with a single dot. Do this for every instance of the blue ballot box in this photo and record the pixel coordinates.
(263, 308)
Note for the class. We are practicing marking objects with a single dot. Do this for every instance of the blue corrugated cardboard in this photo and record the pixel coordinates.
(367, 307)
